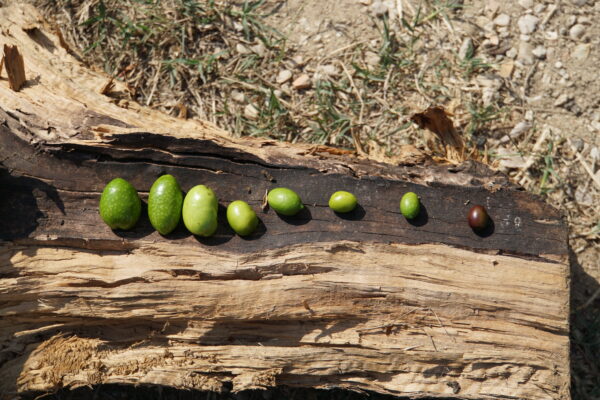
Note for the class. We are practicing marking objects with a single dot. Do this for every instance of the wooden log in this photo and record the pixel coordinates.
(367, 301)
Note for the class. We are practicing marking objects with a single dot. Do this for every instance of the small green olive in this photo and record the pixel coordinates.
(242, 218)
(285, 201)
(120, 205)
(200, 208)
(164, 204)
(410, 205)
(342, 202)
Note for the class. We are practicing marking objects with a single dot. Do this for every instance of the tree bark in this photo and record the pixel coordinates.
(366, 301)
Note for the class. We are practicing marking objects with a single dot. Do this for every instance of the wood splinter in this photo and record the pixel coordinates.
(15, 67)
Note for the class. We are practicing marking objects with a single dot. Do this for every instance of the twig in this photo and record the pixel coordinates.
(585, 165)
(154, 85)
(334, 52)
(400, 10)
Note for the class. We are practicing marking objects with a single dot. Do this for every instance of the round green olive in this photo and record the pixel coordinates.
(200, 208)
(242, 218)
(342, 202)
(164, 204)
(120, 205)
(285, 201)
(410, 205)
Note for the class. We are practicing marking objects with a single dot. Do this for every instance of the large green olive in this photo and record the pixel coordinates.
(285, 201)
(120, 204)
(342, 201)
(242, 218)
(164, 204)
(200, 208)
(410, 205)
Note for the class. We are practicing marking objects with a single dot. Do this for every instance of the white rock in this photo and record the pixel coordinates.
(519, 129)
(558, 65)
(379, 8)
(372, 58)
(259, 49)
(551, 35)
(510, 159)
(237, 96)
(502, 20)
(581, 52)
(583, 196)
(250, 111)
(579, 2)
(576, 31)
(284, 76)
(241, 49)
(539, 52)
(539, 8)
(466, 49)
(526, 3)
(525, 55)
(529, 115)
(302, 82)
(298, 60)
(562, 100)
(571, 20)
(512, 52)
(577, 144)
(329, 70)
(595, 153)
(528, 23)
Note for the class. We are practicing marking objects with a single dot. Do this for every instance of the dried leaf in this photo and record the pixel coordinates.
(182, 111)
(436, 120)
(61, 40)
(1, 65)
(15, 67)
(331, 150)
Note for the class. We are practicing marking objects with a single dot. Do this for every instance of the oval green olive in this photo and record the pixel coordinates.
(120, 204)
(342, 201)
(410, 205)
(285, 201)
(241, 218)
(164, 204)
(199, 213)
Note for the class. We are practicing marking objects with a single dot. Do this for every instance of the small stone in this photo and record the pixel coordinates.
(524, 38)
(302, 82)
(528, 115)
(506, 69)
(284, 76)
(576, 31)
(583, 196)
(259, 49)
(539, 52)
(241, 49)
(238, 96)
(571, 20)
(502, 20)
(519, 129)
(581, 52)
(526, 4)
(538, 8)
(525, 55)
(379, 9)
(372, 58)
(504, 139)
(577, 144)
(250, 111)
(582, 19)
(510, 159)
(298, 60)
(466, 49)
(562, 100)
(595, 153)
(237, 26)
(551, 35)
(329, 70)
(579, 3)
(528, 23)
(511, 53)
(558, 65)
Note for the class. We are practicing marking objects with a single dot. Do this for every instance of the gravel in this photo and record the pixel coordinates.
(528, 23)
(525, 54)
(577, 31)
(302, 82)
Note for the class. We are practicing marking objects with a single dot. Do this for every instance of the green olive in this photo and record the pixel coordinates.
(342, 202)
(410, 205)
(241, 218)
(120, 204)
(164, 204)
(200, 208)
(285, 201)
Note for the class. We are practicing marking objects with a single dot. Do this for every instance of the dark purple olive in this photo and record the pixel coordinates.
(478, 218)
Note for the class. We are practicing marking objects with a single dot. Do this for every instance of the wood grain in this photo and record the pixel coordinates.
(367, 301)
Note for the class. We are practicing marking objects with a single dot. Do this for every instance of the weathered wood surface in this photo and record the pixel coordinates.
(369, 301)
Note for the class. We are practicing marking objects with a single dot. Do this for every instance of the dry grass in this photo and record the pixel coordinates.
(219, 61)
